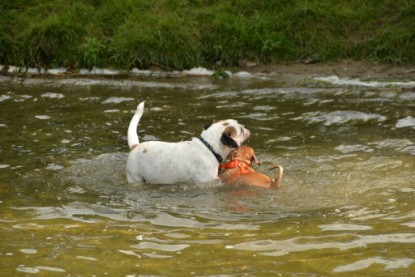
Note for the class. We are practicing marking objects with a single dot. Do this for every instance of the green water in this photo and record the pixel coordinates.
(346, 208)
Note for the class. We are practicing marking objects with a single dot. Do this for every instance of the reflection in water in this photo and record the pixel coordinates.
(346, 205)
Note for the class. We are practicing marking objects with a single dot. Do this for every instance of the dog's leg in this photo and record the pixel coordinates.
(132, 128)
(277, 182)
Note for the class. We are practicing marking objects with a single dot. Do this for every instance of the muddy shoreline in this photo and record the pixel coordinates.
(350, 69)
(346, 69)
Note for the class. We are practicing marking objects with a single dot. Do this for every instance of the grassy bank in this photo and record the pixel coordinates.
(183, 34)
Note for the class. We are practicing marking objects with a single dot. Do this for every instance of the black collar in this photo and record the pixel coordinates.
(217, 156)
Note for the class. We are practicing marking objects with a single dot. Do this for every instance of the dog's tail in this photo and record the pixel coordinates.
(132, 128)
(277, 182)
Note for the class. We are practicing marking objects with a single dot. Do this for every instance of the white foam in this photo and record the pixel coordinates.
(198, 71)
(22, 98)
(28, 251)
(242, 74)
(103, 71)
(76, 189)
(408, 121)
(141, 72)
(13, 69)
(54, 167)
(4, 98)
(117, 100)
(42, 117)
(84, 71)
(33, 70)
(57, 71)
(52, 95)
(112, 111)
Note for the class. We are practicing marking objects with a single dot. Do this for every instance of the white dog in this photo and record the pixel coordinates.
(196, 160)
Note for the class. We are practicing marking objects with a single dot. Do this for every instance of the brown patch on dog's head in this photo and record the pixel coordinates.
(229, 131)
(225, 124)
(144, 150)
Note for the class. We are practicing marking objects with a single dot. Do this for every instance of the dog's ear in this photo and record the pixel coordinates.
(233, 153)
(227, 139)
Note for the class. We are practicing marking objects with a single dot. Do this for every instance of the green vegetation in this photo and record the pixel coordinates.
(182, 34)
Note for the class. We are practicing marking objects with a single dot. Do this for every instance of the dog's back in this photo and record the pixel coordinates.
(173, 161)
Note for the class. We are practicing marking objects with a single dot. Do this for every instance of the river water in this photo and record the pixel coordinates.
(346, 206)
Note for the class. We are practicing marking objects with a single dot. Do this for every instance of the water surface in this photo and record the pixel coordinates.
(346, 207)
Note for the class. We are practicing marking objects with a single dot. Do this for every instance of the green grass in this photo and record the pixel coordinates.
(179, 34)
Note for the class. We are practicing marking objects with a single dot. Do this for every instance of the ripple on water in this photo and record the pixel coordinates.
(345, 149)
(344, 227)
(77, 211)
(300, 244)
(160, 246)
(340, 117)
(357, 82)
(407, 96)
(166, 219)
(38, 269)
(263, 108)
(86, 258)
(365, 263)
(400, 145)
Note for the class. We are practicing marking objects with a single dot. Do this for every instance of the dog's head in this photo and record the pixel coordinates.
(245, 154)
(228, 132)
